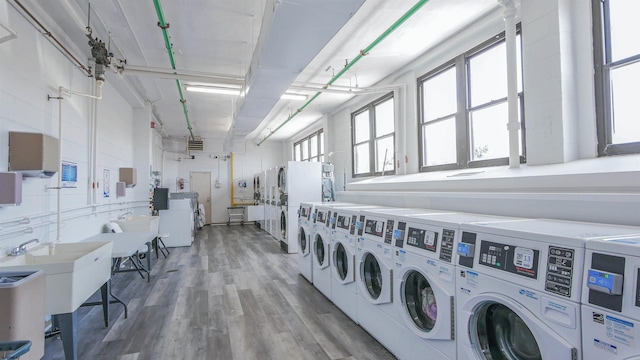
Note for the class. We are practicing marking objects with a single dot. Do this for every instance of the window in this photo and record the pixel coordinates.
(373, 136)
(617, 65)
(310, 148)
(463, 110)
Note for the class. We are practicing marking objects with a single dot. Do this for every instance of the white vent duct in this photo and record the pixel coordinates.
(293, 33)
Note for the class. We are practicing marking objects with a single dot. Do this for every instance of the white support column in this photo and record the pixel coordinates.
(513, 126)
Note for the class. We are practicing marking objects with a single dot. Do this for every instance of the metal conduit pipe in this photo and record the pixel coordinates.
(361, 54)
(167, 42)
(58, 44)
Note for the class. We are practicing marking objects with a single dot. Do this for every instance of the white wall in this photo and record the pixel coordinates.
(30, 69)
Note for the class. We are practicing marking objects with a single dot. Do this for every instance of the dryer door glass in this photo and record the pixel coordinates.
(302, 238)
(320, 250)
(420, 301)
(372, 276)
(342, 265)
(283, 224)
(502, 334)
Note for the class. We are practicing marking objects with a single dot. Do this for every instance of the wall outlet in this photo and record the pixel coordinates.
(218, 185)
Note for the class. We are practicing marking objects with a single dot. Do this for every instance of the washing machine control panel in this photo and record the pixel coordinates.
(352, 228)
(606, 282)
(388, 234)
(513, 259)
(446, 245)
(374, 227)
(422, 239)
(560, 271)
(343, 222)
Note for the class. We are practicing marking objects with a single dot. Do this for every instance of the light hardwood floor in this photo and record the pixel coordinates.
(233, 295)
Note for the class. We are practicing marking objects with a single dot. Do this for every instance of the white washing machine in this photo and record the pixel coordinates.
(305, 230)
(282, 179)
(424, 281)
(519, 287)
(343, 258)
(320, 248)
(263, 194)
(283, 219)
(374, 263)
(611, 300)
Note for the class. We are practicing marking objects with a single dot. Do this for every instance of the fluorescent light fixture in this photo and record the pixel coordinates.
(293, 96)
(221, 89)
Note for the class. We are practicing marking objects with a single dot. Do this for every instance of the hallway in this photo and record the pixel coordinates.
(232, 295)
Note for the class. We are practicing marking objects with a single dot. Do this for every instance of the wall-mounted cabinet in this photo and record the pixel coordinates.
(33, 154)
(10, 188)
(128, 176)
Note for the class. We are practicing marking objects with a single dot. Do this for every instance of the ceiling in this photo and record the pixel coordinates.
(226, 42)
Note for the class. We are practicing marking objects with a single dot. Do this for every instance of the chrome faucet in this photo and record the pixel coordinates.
(123, 216)
(22, 248)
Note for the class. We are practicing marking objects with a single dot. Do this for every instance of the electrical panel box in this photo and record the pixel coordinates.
(128, 176)
(33, 154)
(10, 188)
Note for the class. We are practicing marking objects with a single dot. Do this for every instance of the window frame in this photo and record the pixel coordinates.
(603, 65)
(372, 137)
(320, 157)
(461, 63)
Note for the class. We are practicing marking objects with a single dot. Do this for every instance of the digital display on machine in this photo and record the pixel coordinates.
(374, 227)
(321, 217)
(303, 212)
(422, 239)
(513, 259)
(343, 222)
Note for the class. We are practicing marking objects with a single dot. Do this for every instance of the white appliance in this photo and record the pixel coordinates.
(424, 281)
(301, 182)
(271, 210)
(374, 278)
(262, 180)
(178, 222)
(519, 288)
(611, 300)
(344, 288)
(321, 247)
(305, 229)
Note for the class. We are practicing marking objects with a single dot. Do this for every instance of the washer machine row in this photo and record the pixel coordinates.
(611, 300)
(305, 228)
(519, 288)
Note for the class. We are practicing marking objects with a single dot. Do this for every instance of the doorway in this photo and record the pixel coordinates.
(201, 183)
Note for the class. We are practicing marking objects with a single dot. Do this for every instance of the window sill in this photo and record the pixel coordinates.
(618, 174)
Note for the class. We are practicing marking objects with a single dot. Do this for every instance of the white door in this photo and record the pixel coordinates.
(201, 183)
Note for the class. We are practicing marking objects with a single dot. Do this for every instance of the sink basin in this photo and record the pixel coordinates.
(72, 273)
(139, 223)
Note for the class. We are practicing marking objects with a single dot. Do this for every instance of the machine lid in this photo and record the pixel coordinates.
(502, 335)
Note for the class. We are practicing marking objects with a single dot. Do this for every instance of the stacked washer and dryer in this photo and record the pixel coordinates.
(297, 182)
(519, 288)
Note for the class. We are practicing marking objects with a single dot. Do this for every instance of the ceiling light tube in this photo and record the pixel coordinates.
(214, 90)
(293, 96)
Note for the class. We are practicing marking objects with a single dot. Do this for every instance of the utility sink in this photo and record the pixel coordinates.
(74, 271)
(139, 223)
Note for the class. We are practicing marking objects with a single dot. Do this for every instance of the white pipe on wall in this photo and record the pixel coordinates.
(513, 126)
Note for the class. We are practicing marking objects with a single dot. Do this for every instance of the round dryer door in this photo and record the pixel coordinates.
(282, 180)
(283, 224)
(302, 241)
(343, 264)
(322, 255)
(372, 276)
(502, 334)
(420, 301)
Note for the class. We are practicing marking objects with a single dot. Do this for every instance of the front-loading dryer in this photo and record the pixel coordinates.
(321, 247)
(343, 258)
(519, 288)
(611, 299)
(305, 227)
